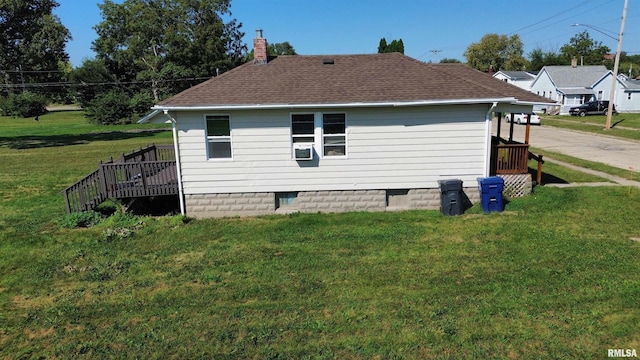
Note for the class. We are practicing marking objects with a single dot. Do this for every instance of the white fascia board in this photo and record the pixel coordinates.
(534, 103)
(335, 105)
(149, 116)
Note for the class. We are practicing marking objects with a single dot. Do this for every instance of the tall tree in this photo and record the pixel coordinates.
(584, 48)
(382, 46)
(496, 52)
(539, 59)
(276, 49)
(394, 46)
(32, 43)
(281, 49)
(160, 40)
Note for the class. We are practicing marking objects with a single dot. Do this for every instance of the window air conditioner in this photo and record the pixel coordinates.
(303, 151)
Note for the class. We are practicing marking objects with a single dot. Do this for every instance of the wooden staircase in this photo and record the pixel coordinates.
(147, 172)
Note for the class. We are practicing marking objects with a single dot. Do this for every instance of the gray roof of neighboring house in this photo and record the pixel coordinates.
(574, 77)
(578, 91)
(371, 78)
(519, 75)
(632, 85)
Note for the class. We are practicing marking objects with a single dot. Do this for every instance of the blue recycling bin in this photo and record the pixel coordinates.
(491, 193)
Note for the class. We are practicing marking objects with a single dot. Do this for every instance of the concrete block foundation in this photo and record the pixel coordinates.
(264, 203)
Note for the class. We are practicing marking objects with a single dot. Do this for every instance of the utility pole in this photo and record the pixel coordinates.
(435, 53)
(615, 68)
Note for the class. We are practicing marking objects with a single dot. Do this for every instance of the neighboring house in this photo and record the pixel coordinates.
(627, 94)
(521, 79)
(574, 85)
(334, 133)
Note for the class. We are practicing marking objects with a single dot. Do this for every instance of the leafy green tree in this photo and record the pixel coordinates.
(32, 43)
(90, 79)
(112, 107)
(276, 49)
(629, 64)
(25, 104)
(496, 52)
(539, 59)
(280, 49)
(155, 40)
(450, 61)
(585, 49)
(394, 46)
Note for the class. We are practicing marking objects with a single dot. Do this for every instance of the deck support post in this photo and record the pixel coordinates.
(539, 175)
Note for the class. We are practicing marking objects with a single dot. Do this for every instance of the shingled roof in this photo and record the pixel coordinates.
(346, 79)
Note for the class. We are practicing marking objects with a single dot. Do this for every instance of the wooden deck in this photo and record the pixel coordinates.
(147, 172)
(509, 157)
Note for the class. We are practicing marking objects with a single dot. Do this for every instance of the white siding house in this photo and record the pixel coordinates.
(412, 147)
(572, 86)
(383, 129)
(627, 93)
(521, 79)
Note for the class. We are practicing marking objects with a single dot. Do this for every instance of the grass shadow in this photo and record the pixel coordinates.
(617, 122)
(547, 178)
(46, 141)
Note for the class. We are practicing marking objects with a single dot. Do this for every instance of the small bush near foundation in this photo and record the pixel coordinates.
(83, 219)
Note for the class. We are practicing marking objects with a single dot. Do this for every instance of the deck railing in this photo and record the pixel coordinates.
(85, 194)
(149, 171)
(149, 178)
(512, 159)
(150, 153)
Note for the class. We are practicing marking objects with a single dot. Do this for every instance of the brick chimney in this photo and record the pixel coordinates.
(259, 48)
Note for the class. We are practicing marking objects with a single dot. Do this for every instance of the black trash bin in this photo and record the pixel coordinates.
(451, 197)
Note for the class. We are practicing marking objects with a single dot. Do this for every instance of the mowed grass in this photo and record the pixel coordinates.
(624, 125)
(554, 276)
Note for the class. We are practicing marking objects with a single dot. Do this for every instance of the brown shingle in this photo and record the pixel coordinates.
(372, 78)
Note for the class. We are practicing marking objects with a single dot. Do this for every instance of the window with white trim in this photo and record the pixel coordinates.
(334, 134)
(302, 128)
(218, 137)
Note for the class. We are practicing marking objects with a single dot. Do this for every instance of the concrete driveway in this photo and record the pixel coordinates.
(600, 148)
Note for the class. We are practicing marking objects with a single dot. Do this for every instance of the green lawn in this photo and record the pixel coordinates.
(623, 125)
(554, 276)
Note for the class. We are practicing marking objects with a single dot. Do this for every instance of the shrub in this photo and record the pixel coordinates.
(141, 104)
(83, 219)
(24, 105)
(109, 108)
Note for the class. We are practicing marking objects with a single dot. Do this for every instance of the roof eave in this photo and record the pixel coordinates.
(508, 100)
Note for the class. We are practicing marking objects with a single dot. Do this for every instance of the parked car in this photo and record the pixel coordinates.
(592, 108)
(520, 118)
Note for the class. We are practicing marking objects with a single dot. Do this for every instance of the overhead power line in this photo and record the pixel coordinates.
(69, 83)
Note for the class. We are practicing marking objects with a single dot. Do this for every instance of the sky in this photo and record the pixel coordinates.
(430, 29)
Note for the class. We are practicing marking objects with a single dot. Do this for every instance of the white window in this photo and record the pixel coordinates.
(334, 135)
(302, 128)
(218, 137)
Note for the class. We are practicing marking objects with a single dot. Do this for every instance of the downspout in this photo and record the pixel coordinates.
(174, 130)
(487, 145)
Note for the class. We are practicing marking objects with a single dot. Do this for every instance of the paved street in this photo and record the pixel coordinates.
(600, 148)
